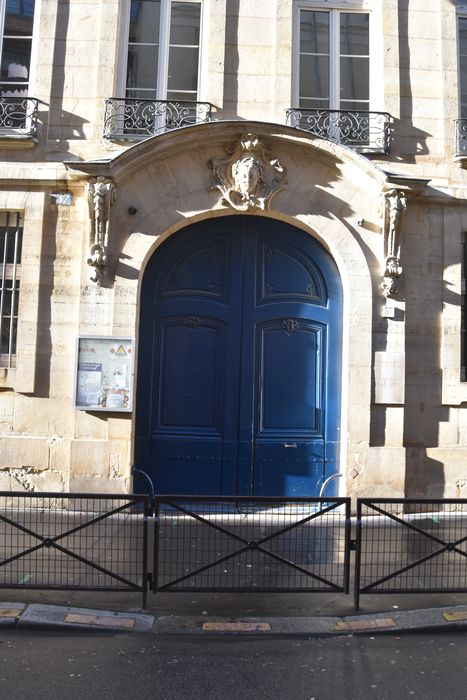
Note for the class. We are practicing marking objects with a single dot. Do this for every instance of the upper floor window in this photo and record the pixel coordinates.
(163, 50)
(16, 18)
(334, 60)
(11, 236)
(463, 66)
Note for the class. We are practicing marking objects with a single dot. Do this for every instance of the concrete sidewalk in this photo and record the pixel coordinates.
(209, 614)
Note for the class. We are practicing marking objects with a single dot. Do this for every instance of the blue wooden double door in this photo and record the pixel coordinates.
(239, 361)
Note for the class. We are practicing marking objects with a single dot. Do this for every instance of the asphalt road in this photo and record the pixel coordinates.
(37, 665)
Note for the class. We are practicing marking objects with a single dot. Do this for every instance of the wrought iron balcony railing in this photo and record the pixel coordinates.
(366, 132)
(18, 115)
(461, 138)
(127, 118)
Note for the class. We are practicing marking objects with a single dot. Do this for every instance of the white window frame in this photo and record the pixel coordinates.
(337, 6)
(163, 57)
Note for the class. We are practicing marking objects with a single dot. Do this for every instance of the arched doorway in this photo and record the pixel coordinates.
(239, 361)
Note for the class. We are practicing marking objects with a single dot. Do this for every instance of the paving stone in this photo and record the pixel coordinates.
(9, 613)
(382, 623)
(236, 627)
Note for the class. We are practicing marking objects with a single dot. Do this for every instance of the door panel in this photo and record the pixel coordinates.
(190, 373)
(291, 467)
(289, 398)
(237, 318)
(285, 274)
(199, 272)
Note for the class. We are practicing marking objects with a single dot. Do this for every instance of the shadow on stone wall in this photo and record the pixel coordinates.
(409, 141)
(48, 254)
(63, 126)
(424, 476)
(231, 62)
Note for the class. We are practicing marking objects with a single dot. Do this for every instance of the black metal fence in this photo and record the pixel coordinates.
(73, 541)
(97, 542)
(251, 544)
(410, 546)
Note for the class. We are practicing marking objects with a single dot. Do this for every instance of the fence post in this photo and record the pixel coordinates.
(358, 554)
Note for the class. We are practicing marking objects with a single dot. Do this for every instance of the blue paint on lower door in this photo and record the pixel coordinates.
(239, 361)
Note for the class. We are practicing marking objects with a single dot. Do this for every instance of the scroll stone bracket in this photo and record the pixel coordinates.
(394, 205)
(101, 195)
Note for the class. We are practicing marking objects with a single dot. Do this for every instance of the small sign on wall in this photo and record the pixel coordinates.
(104, 373)
(389, 377)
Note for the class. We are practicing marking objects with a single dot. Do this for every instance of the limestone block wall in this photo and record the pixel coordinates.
(416, 447)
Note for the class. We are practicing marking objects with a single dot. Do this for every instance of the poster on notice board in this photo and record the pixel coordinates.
(104, 373)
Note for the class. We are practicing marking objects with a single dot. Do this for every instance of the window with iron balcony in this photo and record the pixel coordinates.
(461, 123)
(332, 79)
(160, 90)
(18, 111)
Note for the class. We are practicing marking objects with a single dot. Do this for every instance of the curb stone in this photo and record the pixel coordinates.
(63, 617)
(68, 618)
(442, 619)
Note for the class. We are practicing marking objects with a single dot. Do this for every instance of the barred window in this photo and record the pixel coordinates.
(11, 237)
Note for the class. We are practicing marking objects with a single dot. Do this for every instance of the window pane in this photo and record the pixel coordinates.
(142, 67)
(354, 34)
(355, 106)
(355, 83)
(144, 21)
(314, 32)
(16, 56)
(16, 238)
(10, 246)
(463, 64)
(313, 103)
(184, 23)
(189, 95)
(16, 300)
(314, 76)
(463, 35)
(8, 237)
(19, 15)
(5, 335)
(141, 94)
(183, 68)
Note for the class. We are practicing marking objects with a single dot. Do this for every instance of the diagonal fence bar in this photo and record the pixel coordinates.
(251, 544)
(86, 542)
(410, 546)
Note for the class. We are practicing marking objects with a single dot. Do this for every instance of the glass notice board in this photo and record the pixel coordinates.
(104, 373)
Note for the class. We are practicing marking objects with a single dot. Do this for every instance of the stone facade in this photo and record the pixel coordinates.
(404, 399)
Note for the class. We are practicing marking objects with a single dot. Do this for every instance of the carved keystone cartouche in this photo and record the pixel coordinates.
(248, 177)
